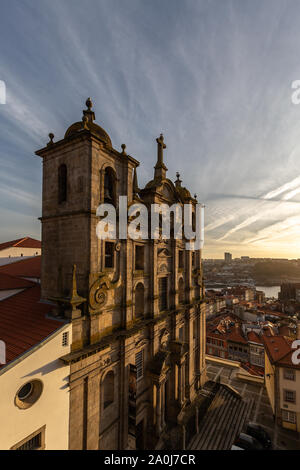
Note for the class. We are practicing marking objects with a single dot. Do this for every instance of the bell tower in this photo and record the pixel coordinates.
(79, 172)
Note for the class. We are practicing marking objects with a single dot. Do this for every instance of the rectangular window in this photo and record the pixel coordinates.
(65, 339)
(109, 254)
(180, 259)
(139, 257)
(163, 293)
(193, 259)
(290, 396)
(288, 416)
(289, 374)
(139, 362)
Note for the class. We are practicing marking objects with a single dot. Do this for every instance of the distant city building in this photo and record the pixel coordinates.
(289, 291)
(228, 257)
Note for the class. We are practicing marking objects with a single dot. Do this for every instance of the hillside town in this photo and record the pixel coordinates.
(248, 339)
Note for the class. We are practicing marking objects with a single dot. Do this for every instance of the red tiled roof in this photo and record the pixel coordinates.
(236, 336)
(277, 347)
(254, 370)
(8, 282)
(25, 242)
(28, 267)
(254, 337)
(23, 323)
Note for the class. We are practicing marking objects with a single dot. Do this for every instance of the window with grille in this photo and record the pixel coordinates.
(139, 362)
(36, 441)
(289, 416)
(163, 293)
(289, 374)
(139, 257)
(65, 339)
(109, 254)
(32, 444)
(290, 396)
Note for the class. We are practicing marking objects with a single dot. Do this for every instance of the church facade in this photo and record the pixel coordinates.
(137, 309)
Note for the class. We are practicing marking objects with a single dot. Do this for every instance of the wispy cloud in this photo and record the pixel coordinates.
(214, 76)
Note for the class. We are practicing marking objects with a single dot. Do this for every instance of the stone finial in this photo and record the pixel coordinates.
(195, 196)
(178, 180)
(88, 112)
(75, 299)
(89, 104)
(135, 187)
(123, 147)
(85, 122)
(51, 137)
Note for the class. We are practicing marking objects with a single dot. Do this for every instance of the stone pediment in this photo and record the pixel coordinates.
(164, 253)
(141, 342)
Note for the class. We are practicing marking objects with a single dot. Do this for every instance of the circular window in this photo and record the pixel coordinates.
(28, 394)
(25, 391)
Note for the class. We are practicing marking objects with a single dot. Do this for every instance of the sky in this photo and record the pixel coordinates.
(214, 76)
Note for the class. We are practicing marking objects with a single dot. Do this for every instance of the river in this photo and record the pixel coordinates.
(270, 291)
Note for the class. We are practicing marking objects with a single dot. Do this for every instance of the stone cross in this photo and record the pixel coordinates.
(160, 149)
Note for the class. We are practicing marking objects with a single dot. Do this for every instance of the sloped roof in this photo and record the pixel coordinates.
(28, 267)
(254, 337)
(23, 322)
(236, 336)
(217, 430)
(25, 242)
(279, 351)
(8, 282)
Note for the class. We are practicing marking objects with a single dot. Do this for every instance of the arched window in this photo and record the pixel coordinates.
(109, 186)
(108, 386)
(139, 300)
(181, 290)
(62, 183)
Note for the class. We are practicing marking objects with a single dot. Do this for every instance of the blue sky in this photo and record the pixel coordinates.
(214, 76)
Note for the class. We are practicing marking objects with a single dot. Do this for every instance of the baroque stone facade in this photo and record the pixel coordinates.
(137, 307)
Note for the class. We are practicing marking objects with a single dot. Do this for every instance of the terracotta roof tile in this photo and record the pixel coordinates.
(28, 267)
(8, 282)
(254, 337)
(25, 242)
(23, 322)
(277, 347)
(236, 337)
